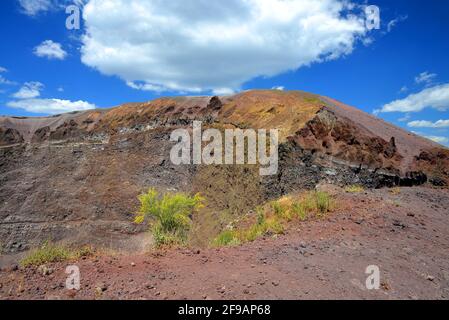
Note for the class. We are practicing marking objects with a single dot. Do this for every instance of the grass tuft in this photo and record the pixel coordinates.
(355, 189)
(50, 253)
(272, 219)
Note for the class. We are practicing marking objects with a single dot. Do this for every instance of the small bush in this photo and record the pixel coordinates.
(170, 214)
(355, 189)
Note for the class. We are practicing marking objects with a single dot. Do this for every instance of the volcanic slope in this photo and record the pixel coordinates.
(76, 177)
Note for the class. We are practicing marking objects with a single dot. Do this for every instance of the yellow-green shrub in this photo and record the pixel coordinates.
(170, 215)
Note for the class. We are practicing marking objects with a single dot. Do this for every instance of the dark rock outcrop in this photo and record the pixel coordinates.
(10, 136)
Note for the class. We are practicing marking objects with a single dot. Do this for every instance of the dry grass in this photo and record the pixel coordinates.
(395, 191)
(50, 253)
(355, 189)
(273, 218)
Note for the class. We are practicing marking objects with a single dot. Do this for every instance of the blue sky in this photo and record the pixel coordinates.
(138, 50)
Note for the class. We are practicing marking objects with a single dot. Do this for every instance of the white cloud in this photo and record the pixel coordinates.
(3, 80)
(34, 7)
(211, 45)
(437, 139)
(425, 78)
(429, 124)
(50, 106)
(405, 118)
(223, 91)
(394, 22)
(144, 86)
(404, 89)
(3, 69)
(280, 88)
(51, 50)
(436, 97)
(29, 90)
(60, 89)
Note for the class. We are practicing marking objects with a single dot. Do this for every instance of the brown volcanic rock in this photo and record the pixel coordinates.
(10, 136)
(340, 137)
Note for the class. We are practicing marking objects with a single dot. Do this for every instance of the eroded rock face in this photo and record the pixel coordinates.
(10, 136)
(67, 130)
(436, 163)
(41, 135)
(341, 138)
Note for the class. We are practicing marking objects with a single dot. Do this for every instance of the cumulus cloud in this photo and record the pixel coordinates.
(280, 88)
(429, 124)
(27, 98)
(29, 90)
(50, 106)
(34, 7)
(213, 45)
(51, 50)
(425, 78)
(436, 97)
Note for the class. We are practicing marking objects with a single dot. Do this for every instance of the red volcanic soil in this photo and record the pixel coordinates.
(406, 234)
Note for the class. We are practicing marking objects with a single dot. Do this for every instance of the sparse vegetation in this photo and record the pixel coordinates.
(395, 191)
(227, 238)
(355, 189)
(49, 252)
(271, 220)
(170, 215)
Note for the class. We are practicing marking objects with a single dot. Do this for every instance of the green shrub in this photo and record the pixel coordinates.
(170, 215)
